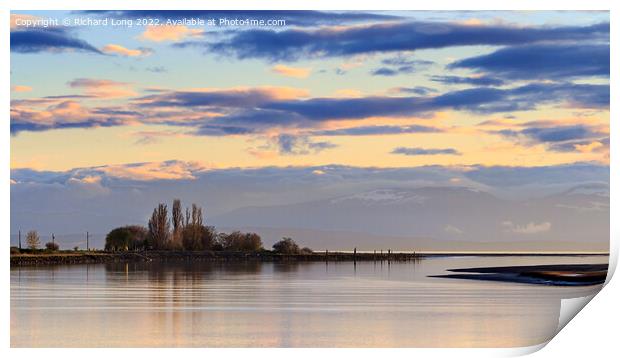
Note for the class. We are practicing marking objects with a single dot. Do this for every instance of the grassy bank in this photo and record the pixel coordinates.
(70, 257)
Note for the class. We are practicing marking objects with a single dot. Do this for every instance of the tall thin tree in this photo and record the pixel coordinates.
(177, 221)
(159, 227)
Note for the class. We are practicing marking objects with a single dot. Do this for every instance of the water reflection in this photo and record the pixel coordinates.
(299, 304)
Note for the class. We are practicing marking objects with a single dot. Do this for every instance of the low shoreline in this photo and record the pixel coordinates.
(95, 257)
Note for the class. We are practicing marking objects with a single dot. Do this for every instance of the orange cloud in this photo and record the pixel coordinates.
(590, 147)
(155, 170)
(168, 33)
(287, 71)
(21, 88)
(348, 93)
(103, 88)
(120, 50)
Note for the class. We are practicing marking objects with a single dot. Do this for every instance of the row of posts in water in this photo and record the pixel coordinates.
(374, 256)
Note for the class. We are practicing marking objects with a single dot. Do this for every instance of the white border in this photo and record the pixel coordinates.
(592, 331)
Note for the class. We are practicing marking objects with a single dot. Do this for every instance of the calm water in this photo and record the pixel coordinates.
(283, 305)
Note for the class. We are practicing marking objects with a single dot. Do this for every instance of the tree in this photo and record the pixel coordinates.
(238, 241)
(52, 246)
(193, 231)
(208, 237)
(286, 246)
(32, 240)
(125, 238)
(159, 228)
(177, 221)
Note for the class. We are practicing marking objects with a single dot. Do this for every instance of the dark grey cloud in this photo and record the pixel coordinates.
(400, 64)
(377, 130)
(425, 151)
(419, 90)
(301, 145)
(48, 40)
(295, 44)
(387, 71)
(561, 138)
(542, 61)
(476, 81)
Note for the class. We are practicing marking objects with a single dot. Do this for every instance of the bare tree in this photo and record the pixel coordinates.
(32, 240)
(177, 221)
(159, 227)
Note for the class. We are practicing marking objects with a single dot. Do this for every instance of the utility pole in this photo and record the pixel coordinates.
(19, 235)
(87, 247)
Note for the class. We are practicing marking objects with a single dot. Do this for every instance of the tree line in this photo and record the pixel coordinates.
(178, 230)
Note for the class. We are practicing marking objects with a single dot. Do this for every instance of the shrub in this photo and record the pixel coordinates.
(238, 241)
(286, 246)
(51, 246)
(125, 238)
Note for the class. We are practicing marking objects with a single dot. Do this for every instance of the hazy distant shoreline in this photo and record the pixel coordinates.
(94, 257)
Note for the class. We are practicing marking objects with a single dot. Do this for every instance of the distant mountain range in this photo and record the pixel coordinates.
(437, 218)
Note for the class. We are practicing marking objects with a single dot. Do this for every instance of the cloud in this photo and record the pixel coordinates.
(165, 33)
(242, 97)
(473, 80)
(246, 110)
(152, 137)
(295, 44)
(386, 71)
(287, 71)
(477, 100)
(122, 51)
(168, 170)
(376, 130)
(425, 151)
(559, 136)
(300, 145)
(61, 114)
(36, 40)
(542, 61)
(18, 88)
(103, 88)
(400, 64)
(527, 229)
(419, 90)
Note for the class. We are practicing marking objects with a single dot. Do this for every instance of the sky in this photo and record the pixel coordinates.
(101, 104)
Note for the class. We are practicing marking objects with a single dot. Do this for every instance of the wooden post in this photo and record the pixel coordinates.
(354, 253)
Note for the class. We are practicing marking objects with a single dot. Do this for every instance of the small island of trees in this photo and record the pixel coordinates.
(178, 231)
